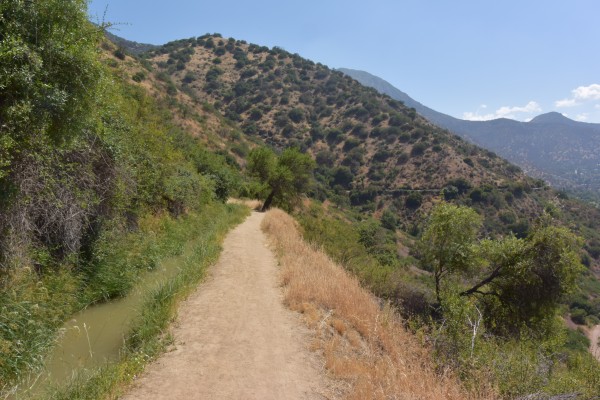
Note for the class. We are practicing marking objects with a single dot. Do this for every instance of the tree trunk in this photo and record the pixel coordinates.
(475, 289)
(437, 287)
(268, 201)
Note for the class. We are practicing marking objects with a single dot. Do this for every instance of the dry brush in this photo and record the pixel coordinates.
(364, 343)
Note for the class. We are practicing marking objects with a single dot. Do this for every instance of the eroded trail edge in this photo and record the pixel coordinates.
(234, 339)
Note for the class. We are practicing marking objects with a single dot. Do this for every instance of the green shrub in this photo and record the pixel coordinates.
(343, 176)
(139, 76)
(578, 316)
(334, 136)
(403, 158)
(255, 114)
(418, 149)
(450, 192)
(296, 115)
(351, 143)
(413, 200)
(325, 157)
(119, 53)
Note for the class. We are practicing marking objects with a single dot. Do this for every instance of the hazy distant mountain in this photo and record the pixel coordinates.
(551, 146)
(130, 46)
(385, 87)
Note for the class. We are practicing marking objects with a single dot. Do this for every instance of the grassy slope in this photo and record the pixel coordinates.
(196, 117)
(153, 173)
(363, 344)
(512, 367)
(149, 335)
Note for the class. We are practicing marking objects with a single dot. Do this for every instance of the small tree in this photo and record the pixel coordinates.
(414, 200)
(286, 176)
(447, 245)
(519, 282)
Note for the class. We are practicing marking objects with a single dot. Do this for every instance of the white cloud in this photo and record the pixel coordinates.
(503, 112)
(579, 95)
(565, 103)
(509, 112)
(582, 117)
(591, 92)
(474, 116)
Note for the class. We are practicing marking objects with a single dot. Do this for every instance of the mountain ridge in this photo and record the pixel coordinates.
(374, 154)
(552, 147)
(552, 117)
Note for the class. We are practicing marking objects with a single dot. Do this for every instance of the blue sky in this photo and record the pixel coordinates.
(471, 59)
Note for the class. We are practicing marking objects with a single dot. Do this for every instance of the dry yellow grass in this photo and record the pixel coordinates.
(364, 344)
(252, 204)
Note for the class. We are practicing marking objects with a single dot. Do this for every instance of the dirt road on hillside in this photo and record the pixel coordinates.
(234, 339)
(594, 335)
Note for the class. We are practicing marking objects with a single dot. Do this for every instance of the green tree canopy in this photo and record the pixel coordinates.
(519, 282)
(49, 73)
(447, 244)
(286, 176)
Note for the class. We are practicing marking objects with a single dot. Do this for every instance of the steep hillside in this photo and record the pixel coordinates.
(367, 145)
(373, 152)
(97, 184)
(375, 156)
(130, 46)
(552, 147)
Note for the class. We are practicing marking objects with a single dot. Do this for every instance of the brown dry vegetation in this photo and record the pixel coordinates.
(190, 114)
(291, 77)
(364, 344)
(251, 204)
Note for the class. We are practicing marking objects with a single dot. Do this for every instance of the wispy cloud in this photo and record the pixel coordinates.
(565, 103)
(582, 117)
(503, 112)
(580, 95)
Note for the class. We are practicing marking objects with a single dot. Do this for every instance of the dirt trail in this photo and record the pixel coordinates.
(234, 339)
(594, 335)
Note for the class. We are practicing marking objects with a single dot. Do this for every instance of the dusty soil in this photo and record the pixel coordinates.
(234, 339)
(594, 335)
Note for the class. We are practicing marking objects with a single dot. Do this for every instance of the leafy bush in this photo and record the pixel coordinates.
(343, 176)
(325, 157)
(119, 53)
(351, 143)
(418, 149)
(414, 200)
(139, 76)
(334, 136)
(296, 115)
(255, 114)
(578, 316)
(462, 185)
(286, 176)
(402, 158)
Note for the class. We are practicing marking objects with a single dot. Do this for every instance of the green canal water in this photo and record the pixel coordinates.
(95, 336)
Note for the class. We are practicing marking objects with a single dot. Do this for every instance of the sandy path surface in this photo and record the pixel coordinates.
(234, 339)
(594, 335)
